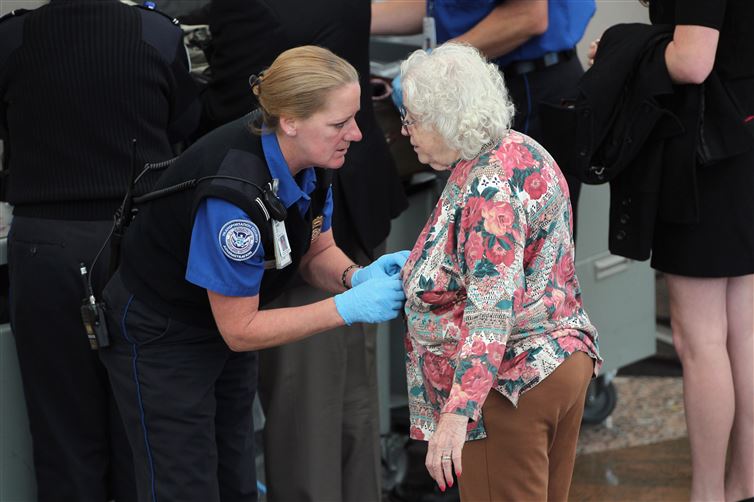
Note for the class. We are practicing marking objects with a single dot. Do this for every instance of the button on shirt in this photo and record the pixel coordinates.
(567, 21)
(226, 254)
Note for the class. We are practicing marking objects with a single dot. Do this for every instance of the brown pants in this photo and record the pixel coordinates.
(529, 451)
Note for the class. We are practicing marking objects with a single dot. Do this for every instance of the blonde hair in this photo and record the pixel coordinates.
(298, 81)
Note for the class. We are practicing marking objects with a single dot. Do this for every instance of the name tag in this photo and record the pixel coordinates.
(282, 246)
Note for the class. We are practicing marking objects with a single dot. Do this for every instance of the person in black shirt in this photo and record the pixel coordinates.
(708, 260)
(79, 80)
(328, 448)
(709, 264)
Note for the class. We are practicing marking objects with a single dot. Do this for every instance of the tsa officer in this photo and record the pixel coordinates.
(231, 222)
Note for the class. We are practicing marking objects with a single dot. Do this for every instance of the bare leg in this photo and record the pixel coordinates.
(739, 482)
(698, 320)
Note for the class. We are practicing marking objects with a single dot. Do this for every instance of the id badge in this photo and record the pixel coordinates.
(282, 246)
(429, 33)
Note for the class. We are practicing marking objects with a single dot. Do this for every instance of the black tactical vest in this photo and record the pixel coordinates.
(155, 248)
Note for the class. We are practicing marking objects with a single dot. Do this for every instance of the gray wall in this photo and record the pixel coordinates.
(9, 5)
(610, 12)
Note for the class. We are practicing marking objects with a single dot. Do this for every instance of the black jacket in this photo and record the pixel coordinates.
(631, 126)
(78, 81)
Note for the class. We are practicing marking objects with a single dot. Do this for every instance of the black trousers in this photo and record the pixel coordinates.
(186, 401)
(80, 448)
(549, 84)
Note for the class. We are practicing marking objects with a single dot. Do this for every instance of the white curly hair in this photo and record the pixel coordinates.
(456, 92)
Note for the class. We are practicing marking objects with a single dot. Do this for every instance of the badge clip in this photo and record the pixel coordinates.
(280, 238)
(429, 33)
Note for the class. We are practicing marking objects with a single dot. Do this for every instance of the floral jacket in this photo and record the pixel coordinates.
(492, 295)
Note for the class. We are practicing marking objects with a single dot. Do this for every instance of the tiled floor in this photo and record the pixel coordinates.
(649, 410)
(658, 472)
(640, 454)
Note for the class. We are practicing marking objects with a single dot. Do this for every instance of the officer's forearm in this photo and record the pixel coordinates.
(397, 17)
(325, 270)
(508, 26)
(274, 327)
(323, 265)
(244, 327)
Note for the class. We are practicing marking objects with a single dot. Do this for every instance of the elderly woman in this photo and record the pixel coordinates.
(500, 350)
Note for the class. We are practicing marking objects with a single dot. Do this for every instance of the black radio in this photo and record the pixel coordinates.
(93, 316)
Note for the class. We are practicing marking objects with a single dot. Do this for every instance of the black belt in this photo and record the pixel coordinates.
(530, 65)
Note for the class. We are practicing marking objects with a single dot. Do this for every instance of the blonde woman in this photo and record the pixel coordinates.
(239, 215)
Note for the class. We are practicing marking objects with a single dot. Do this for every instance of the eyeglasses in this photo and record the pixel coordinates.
(404, 121)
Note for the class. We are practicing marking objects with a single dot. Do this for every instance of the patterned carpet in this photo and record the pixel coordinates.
(649, 410)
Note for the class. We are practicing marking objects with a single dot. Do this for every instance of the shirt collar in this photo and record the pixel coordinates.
(290, 189)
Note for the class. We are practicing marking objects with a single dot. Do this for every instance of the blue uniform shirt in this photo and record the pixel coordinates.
(226, 254)
(567, 20)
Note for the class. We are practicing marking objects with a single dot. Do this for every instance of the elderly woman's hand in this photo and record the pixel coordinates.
(444, 449)
(386, 265)
(593, 51)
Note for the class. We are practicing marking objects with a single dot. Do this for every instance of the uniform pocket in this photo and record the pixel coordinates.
(142, 325)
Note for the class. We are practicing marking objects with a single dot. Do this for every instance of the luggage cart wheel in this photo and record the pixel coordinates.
(395, 460)
(601, 398)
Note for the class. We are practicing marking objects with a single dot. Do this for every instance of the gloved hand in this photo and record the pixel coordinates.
(384, 266)
(397, 95)
(375, 301)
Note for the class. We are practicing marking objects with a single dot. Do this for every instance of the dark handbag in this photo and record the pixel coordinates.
(725, 131)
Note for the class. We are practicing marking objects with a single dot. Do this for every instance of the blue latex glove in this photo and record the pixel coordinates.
(397, 95)
(384, 266)
(375, 301)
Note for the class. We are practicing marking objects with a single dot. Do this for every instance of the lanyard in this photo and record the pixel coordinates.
(429, 29)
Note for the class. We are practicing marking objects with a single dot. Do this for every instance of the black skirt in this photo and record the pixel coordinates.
(721, 244)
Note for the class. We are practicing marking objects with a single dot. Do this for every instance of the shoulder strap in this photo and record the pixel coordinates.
(241, 179)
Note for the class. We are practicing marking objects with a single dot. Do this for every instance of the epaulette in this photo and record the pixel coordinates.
(14, 13)
(150, 6)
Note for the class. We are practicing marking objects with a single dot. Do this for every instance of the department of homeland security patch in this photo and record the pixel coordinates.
(239, 239)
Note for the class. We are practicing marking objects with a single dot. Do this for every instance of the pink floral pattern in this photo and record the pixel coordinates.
(492, 296)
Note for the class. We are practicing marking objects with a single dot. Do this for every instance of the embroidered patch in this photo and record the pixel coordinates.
(239, 239)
